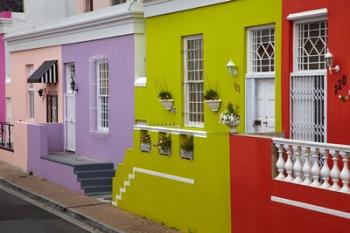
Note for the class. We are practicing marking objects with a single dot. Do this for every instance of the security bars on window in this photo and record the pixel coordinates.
(102, 95)
(311, 45)
(262, 50)
(194, 83)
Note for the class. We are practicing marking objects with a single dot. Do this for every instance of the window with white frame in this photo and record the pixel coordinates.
(99, 96)
(116, 2)
(261, 50)
(194, 81)
(308, 82)
(8, 109)
(31, 93)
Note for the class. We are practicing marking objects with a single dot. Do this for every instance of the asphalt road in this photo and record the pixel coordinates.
(18, 216)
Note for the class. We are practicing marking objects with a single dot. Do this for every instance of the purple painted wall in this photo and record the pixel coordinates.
(120, 53)
(42, 139)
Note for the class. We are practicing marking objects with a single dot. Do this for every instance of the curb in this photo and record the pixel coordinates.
(60, 208)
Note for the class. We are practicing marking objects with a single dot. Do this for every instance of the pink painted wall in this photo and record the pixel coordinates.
(97, 4)
(18, 87)
(2, 79)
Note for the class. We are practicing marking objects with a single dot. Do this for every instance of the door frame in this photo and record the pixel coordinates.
(66, 86)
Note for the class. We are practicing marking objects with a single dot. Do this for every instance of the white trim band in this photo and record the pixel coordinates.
(163, 175)
(196, 133)
(308, 14)
(311, 207)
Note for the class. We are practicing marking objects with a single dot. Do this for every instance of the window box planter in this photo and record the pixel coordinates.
(167, 103)
(164, 151)
(233, 126)
(145, 147)
(187, 154)
(214, 105)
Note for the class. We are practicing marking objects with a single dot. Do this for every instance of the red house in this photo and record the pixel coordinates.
(301, 183)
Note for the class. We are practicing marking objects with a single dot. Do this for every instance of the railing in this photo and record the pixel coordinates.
(314, 164)
(6, 140)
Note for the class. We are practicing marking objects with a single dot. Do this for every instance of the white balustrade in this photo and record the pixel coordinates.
(321, 165)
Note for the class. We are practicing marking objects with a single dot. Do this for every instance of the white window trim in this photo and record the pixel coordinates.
(308, 14)
(189, 123)
(99, 127)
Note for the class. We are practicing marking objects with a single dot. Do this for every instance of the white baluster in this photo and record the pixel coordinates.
(306, 167)
(297, 164)
(315, 170)
(289, 164)
(280, 163)
(325, 171)
(345, 173)
(335, 172)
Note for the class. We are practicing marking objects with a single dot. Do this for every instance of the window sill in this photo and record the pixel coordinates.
(100, 133)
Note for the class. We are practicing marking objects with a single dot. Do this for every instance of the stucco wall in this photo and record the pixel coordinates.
(17, 88)
(2, 79)
(120, 53)
(97, 4)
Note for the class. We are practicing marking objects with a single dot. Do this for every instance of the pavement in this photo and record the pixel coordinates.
(84, 210)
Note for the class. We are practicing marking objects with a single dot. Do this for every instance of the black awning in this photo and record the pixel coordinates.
(46, 73)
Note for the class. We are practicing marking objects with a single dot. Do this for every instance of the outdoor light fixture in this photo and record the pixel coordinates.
(329, 58)
(73, 85)
(231, 68)
(41, 92)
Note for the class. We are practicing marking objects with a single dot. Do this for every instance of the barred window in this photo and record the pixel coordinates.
(261, 50)
(116, 2)
(194, 82)
(311, 45)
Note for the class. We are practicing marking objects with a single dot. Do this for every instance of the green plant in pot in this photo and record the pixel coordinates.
(211, 97)
(230, 117)
(145, 142)
(187, 148)
(164, 144)
(166, 98)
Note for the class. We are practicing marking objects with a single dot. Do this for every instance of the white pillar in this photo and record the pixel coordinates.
(325, 171)
(297, 164)
(335, 172)
(306, 166)
(289, 164)
(315, 170)
(345, 173)
(280, 163)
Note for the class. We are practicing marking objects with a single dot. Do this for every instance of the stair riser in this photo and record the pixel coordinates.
(98, 189)
(108, 166)
(107, 181)
(100, 174)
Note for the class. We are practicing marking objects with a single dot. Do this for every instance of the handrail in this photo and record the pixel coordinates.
(196, 133)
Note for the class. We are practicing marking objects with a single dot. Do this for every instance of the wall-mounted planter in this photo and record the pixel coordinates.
(164, 151)
(145, 147)
(233, 126)
(187, 154)
(214, 105)
(167, 103)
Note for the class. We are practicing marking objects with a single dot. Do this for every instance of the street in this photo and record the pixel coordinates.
(18, 216)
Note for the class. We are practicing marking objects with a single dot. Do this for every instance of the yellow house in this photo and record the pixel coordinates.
(195, 47)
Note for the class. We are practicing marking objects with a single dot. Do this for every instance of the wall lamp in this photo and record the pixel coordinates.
(329, 58)
(41, 92)
(231, 68)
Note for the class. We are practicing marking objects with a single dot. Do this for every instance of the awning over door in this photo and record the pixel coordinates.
(46, 73)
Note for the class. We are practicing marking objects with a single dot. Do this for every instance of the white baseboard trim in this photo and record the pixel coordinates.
(311, 207)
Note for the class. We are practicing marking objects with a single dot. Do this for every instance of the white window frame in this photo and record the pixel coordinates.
(313, 72)
(200, 122)
(31, 93)
(251, 77)
(9, 113)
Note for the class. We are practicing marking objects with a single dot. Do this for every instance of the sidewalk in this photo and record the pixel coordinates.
(87, 209)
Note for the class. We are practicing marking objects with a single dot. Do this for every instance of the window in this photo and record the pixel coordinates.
(261, 50)
(308, 82)
(116, 2)
(51, 108)
(193, 81)
(31, 93)
(8, 109)
(99, 96)
(70, 77)
(89, 5)
(311, 45)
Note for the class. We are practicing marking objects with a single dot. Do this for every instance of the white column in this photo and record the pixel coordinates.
(335, 172)
(306, 166)
(297, 164)
(325, 171)
(345, 173)
(289, 164)
(315, 170)
(280, 163)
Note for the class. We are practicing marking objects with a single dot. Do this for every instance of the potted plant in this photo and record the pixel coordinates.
(187, 148)
(166, 99)
(164, 144)
(211, 97)
(145, 140)
(230, 117)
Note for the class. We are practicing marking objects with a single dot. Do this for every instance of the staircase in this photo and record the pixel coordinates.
(95, 179)
(125, 185)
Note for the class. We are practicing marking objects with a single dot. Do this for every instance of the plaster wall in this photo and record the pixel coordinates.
(2, 79)
(97, 4)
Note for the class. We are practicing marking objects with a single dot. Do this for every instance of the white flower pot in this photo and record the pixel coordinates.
(187, 154)
(164, 151)
(167, 104)
(233, 126)
(214, 105)
(145, 147)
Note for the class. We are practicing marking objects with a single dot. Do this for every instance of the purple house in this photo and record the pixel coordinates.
(102, 59)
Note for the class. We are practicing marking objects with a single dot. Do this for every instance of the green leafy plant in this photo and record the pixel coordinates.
(230, 116)
(165, 95)
(164, 141)
(188, 144)
(211, 94)
(145, 138)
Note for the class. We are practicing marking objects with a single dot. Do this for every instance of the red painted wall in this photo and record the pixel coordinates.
(338, 42)
(252, 186)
